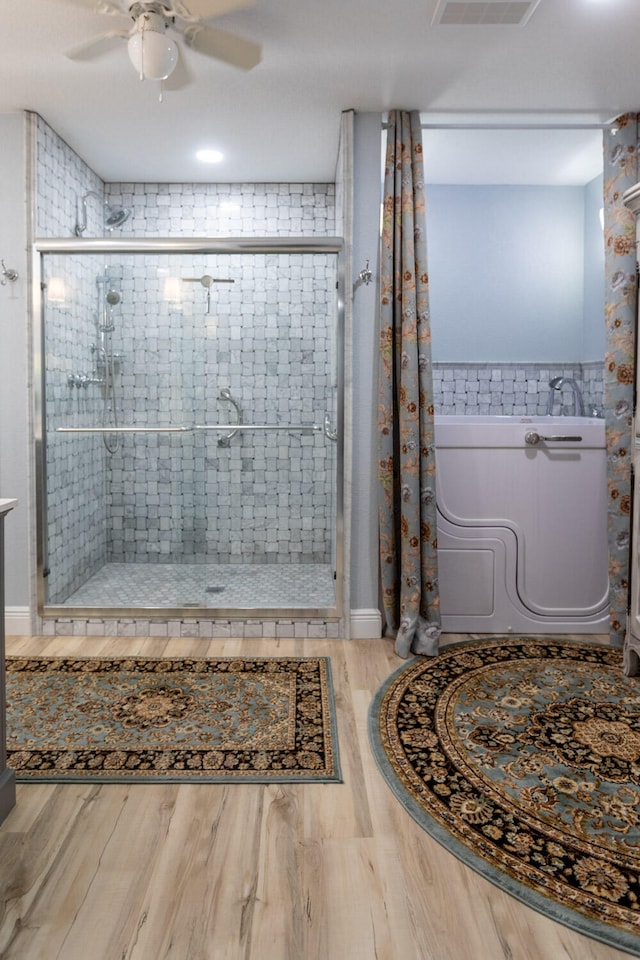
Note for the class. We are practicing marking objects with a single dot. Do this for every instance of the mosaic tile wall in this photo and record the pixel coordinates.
(268, 339)
(77, 508)
(511, 389)
(62, 179)
(225, 210)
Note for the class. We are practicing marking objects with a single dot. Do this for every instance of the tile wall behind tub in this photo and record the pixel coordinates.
(77, 508)
(512, 389)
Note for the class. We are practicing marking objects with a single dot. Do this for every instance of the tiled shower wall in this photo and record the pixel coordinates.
(269, 339)
(263, 497)
(77, 546)
(225, 210)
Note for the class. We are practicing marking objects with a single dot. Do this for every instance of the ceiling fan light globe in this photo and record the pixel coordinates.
(154, 55)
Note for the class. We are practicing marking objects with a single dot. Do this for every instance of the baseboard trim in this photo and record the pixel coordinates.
(17, 621)
(366, 624)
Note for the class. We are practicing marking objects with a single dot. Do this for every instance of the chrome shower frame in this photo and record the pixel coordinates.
(292, 245)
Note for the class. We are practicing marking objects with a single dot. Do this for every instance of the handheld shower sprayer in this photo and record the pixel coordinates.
(112, 298)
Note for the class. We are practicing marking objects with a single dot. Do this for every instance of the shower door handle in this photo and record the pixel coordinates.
(531, 437)
(328, 432)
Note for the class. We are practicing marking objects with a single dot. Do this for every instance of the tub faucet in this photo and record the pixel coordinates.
(556, 385)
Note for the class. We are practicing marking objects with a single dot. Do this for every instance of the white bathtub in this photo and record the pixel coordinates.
(522, 527)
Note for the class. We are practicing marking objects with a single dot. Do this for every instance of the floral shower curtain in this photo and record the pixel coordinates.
(620, 173)
(407, 503)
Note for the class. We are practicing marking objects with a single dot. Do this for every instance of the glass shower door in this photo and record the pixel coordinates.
(191, 431)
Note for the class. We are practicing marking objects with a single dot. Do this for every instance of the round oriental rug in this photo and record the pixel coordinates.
(522, 758)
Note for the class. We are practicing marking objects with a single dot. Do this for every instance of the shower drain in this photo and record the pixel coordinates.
(214, 589)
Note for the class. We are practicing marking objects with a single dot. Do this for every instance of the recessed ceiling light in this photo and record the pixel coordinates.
(209, 156)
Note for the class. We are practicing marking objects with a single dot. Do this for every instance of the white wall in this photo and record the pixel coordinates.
(366, 226)
(14, 366)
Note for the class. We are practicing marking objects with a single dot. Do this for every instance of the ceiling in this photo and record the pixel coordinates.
(575, 62)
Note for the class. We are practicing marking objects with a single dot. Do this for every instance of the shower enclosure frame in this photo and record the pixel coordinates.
(201, 246)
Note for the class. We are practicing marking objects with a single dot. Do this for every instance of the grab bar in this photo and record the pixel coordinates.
(532, 437)
(248, 427)
(292, 428)
(225, 394)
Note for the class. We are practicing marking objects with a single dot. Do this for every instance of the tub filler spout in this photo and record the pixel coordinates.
(556, 385)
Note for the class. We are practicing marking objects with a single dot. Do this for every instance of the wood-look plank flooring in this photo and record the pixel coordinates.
(252, 872)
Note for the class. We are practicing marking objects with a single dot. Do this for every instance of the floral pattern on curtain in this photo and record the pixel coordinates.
(620, 173)
(407, 504)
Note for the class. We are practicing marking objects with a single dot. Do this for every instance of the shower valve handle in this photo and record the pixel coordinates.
(531, 437)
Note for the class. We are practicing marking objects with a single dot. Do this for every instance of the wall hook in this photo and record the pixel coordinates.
(7, 274)
(365, 276)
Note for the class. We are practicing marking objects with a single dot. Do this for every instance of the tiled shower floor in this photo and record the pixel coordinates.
(236, 586)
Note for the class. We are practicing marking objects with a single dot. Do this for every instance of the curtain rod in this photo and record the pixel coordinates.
(517, 126)
(606, 125)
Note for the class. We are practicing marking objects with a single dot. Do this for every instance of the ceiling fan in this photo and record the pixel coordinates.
(152, 50)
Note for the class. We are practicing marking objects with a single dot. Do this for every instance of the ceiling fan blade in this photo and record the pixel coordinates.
(208, 9)
(101, 6)
(224, 46)
(96, 46)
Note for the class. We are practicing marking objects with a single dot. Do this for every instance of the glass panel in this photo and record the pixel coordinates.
(191, 412)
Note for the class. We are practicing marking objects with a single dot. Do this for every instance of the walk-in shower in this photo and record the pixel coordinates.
(189, 434)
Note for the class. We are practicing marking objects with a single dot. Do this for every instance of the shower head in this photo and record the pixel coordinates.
(112, 298)
(115, 216)
(556, 383)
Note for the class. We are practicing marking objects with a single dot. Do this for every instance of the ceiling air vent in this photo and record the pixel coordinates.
(509, 13)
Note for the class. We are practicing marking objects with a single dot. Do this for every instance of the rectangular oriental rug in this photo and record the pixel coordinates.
(141, 720)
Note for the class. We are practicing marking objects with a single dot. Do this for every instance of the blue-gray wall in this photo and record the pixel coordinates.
(513, 273)
(594, 325)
